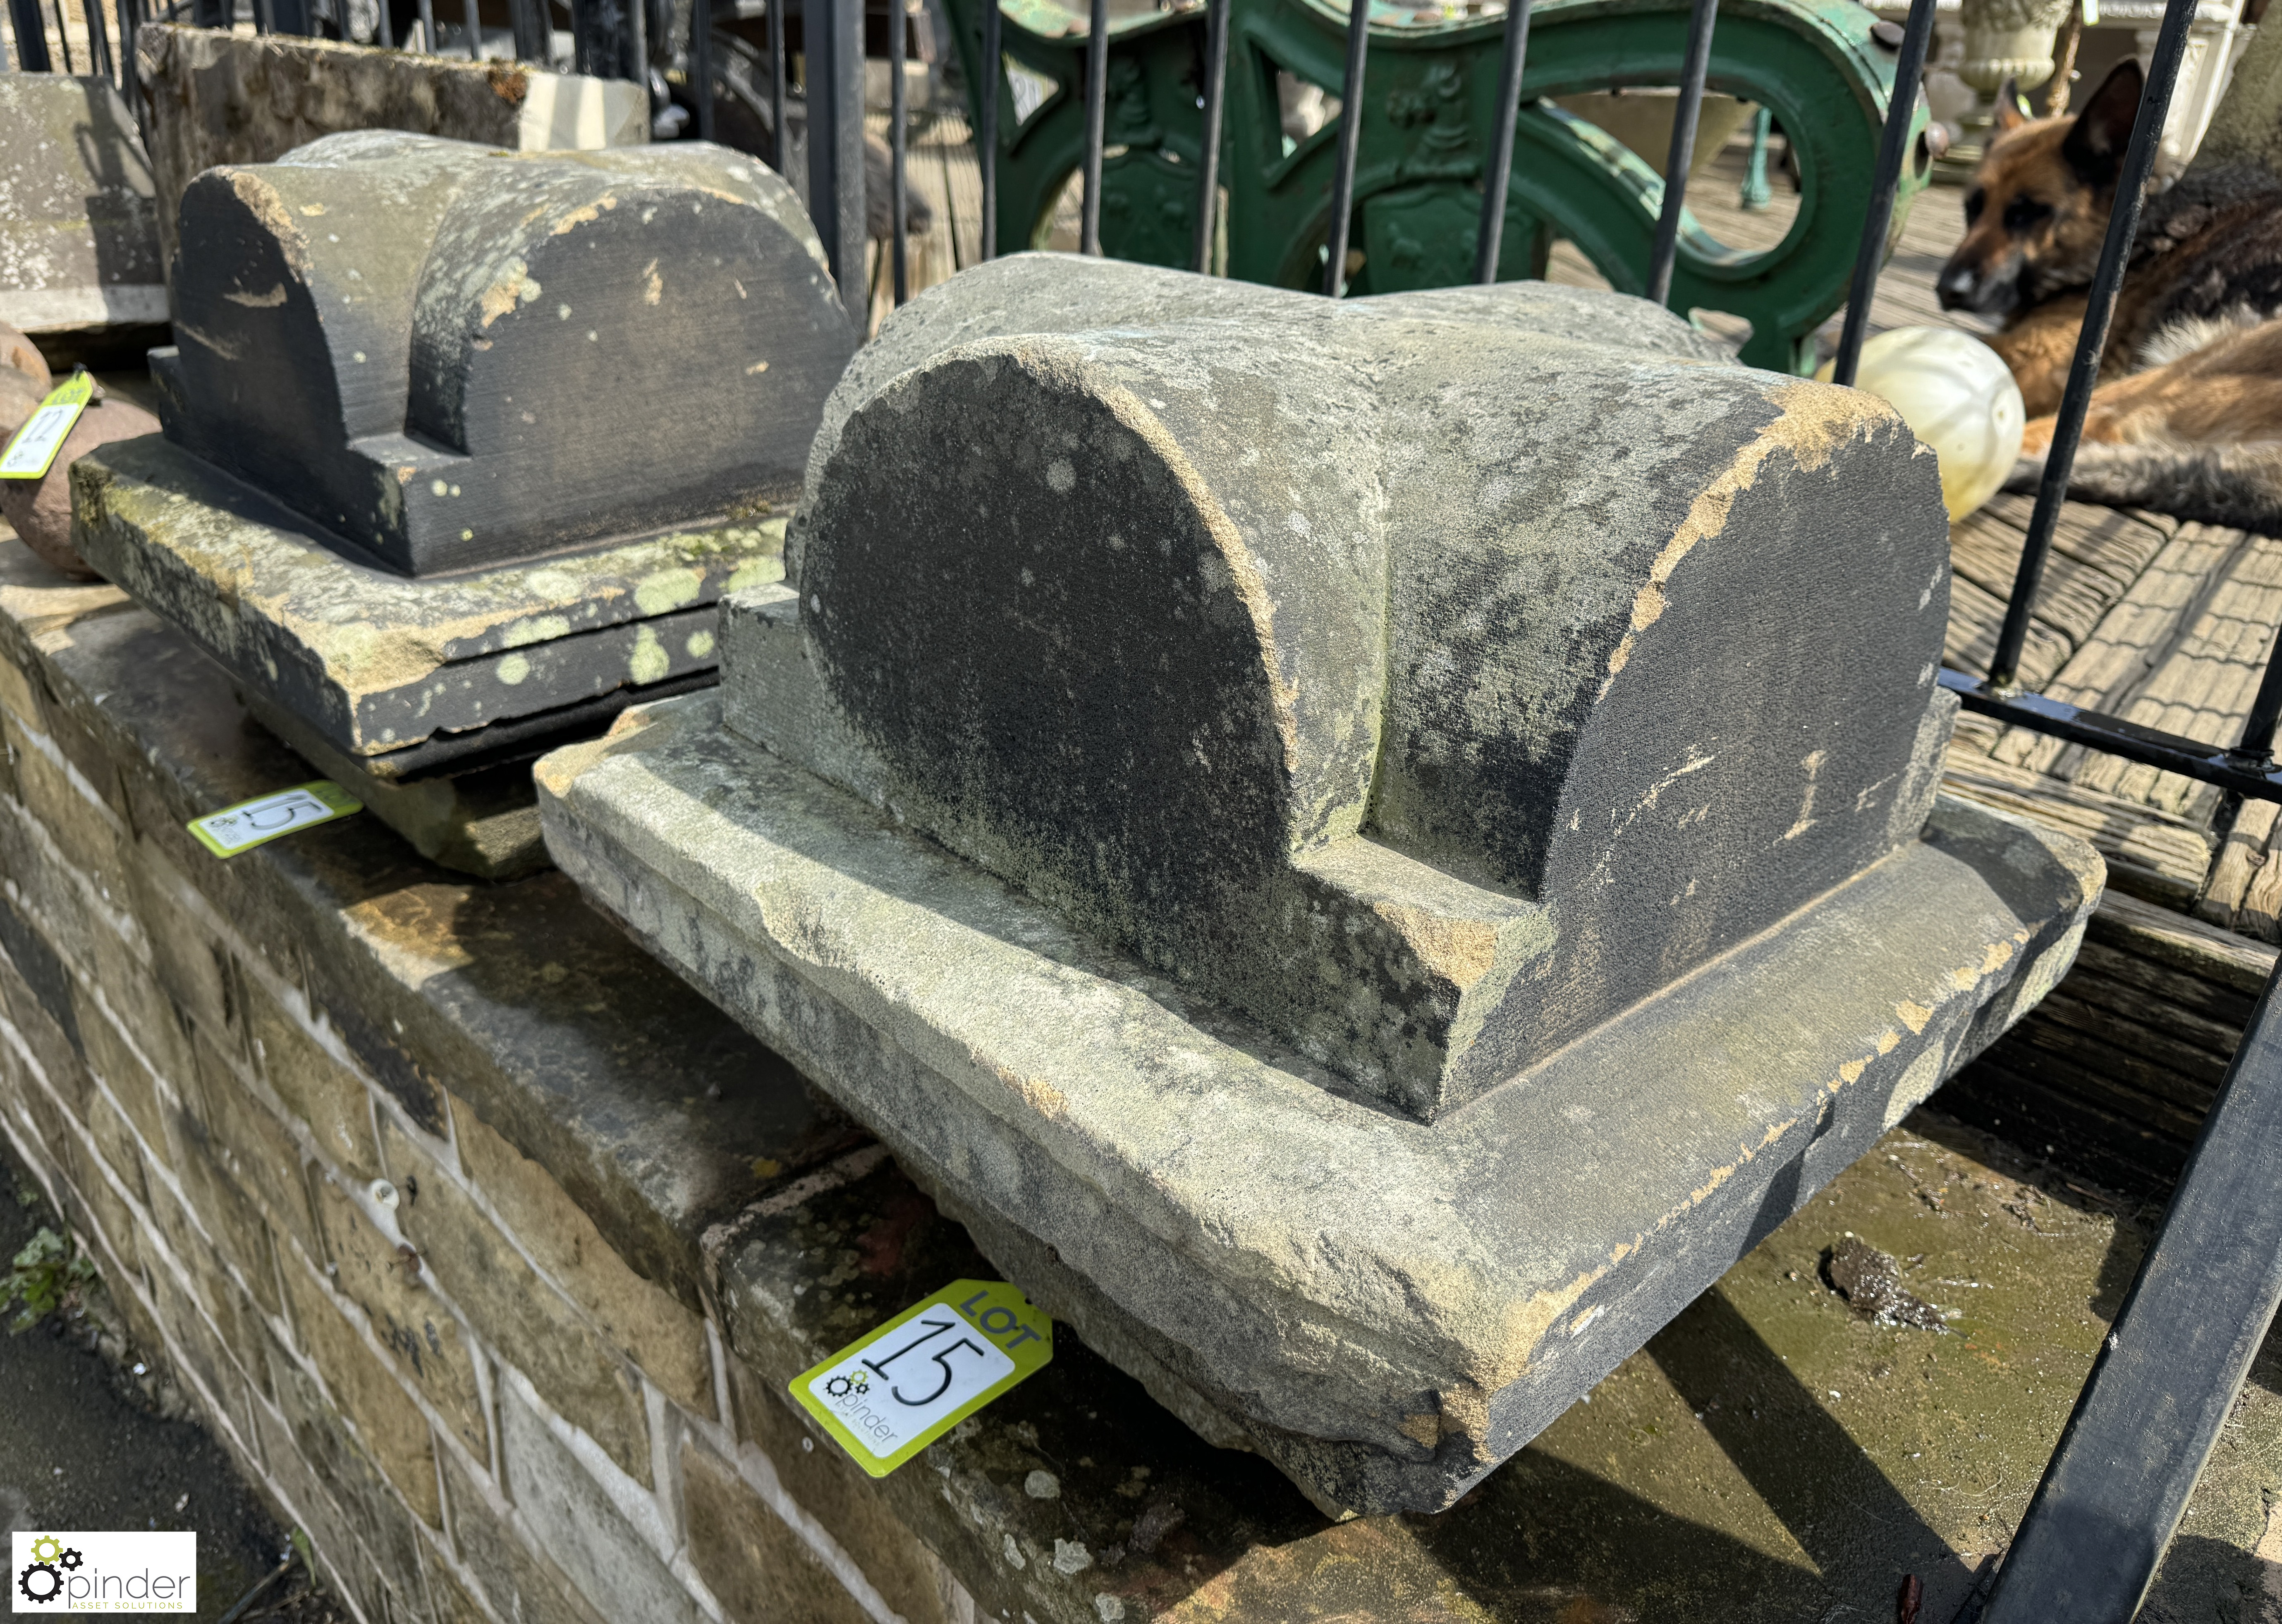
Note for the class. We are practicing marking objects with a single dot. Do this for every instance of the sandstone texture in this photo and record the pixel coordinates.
(1368, 851)
(408, 678)
(215, 97)
(445, 356)
(79, 237)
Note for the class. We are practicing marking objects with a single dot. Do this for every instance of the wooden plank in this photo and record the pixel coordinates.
(2168, 1097)
(2163, 987)
(2127, 1001)
(2117, 1148)
(2203, 685)
(2189, 1046)
(1974, 615)
(2064, 1074)
(2237, 863)
(2104, 538)
(2072, 598)
(2181, 943)
(2132, 638)
(2170, 847)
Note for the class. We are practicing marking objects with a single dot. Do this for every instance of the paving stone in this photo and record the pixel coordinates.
(219, 99)
(758, 1568)
(569, 1515)
(647, 1323)
(389, 1428)
(432, 1351)
(80, 243)
(511, 1308)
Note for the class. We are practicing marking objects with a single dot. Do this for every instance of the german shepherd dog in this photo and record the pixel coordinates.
(2188, 420)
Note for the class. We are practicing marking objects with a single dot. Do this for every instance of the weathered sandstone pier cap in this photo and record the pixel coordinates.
(448, 356)
(462, 448)
(1426, 685)
(1366, 850)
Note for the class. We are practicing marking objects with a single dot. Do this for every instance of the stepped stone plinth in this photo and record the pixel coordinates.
(1368, 851)
(463, 447)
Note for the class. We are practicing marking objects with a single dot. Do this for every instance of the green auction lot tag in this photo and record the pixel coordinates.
(887, 1395)
(246, 825)
(34, 447)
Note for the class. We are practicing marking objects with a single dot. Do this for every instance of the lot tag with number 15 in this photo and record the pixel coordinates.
(890, 1394)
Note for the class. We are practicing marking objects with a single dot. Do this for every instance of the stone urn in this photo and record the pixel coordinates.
(2006, 39)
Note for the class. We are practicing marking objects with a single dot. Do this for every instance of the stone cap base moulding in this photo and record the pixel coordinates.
(1386, 1309)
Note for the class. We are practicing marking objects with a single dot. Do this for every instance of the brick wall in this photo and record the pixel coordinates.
(289, 1102)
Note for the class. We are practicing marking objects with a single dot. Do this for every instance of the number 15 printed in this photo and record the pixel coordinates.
(888, 1396)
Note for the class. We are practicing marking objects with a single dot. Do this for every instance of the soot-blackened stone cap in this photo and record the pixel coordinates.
(1417, 675)
(450, 356)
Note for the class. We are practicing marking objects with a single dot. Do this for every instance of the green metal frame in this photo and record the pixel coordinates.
(1428, 112)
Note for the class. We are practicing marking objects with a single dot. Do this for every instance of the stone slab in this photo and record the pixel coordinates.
(79, 236)
(217, 97)
(379, 664)
(1386, 1309)
(484, 823)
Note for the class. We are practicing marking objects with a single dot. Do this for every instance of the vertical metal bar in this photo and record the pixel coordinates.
(475, 25)
(428, 27)
(384, 27)
(637, 46)
(780, 55)
(2258, 747)
(1096, 114)
(701, 64)
(986, 133)
(1491, 237)
(98, 40)
(833, 33)
(1216, 22)
(1351, 92)
(2166, 1376)
(31, 36)
(898, 179)
(1893, 145)
(63, 36)
(1692, 69)
(2068, 427)
(130, 22)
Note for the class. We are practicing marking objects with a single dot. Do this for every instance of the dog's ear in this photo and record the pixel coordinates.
(2012, 110)
(2095, 143)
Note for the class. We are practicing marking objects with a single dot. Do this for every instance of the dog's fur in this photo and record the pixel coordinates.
(2189, 420)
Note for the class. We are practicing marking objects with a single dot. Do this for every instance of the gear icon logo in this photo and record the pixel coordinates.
(40, 1582)
(69, 1561)
(46, 1548)
(840, 1387)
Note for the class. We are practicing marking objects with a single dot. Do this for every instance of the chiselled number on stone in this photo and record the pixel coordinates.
(941, 1358)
